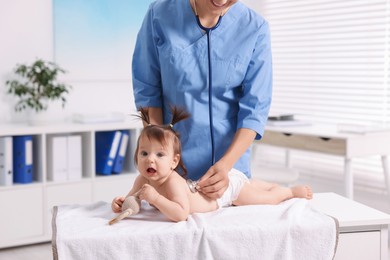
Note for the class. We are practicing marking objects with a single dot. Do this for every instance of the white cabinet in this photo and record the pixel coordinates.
(363, 231)
(26, 208)
(21, 215)
(108, 187)
(359, 246)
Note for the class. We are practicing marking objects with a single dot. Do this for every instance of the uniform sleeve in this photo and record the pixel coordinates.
(255, 103)
(146, 66)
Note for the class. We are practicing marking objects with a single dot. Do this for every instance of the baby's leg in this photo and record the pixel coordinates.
(302, 191)
(251, 194)
(299, 191)
(262, 185)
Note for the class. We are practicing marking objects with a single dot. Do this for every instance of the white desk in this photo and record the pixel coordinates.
(327, 139)
(363, 231)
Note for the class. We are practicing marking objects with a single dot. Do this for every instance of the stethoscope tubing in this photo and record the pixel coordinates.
(211, 98)
(208, 34)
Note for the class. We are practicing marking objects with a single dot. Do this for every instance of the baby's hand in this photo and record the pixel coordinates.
(116, 204)
(148, 193)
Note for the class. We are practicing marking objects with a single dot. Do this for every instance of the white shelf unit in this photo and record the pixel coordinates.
(26, 208)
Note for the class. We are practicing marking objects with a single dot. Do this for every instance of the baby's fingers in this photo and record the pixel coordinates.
(116, 204)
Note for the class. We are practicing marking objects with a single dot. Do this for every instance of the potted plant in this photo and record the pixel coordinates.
(37, 86)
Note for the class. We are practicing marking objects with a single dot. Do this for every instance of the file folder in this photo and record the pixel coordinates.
(23, 159)
(106, 148)
(6, 162)
(74, 157)
(120, 157)
(57, 166)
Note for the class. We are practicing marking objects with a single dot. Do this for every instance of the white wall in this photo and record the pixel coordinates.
(252, 4)
(26, 32)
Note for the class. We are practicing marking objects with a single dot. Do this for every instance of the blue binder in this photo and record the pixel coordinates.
(121, 153)
(106, 144)
(23, 159)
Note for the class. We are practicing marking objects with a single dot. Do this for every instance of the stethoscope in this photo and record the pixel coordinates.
(193, 184)
(208, 34)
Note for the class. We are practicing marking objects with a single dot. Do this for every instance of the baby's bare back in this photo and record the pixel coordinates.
(197, 201)
(200, 203)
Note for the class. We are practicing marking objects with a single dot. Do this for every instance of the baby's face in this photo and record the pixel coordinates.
(155, 161)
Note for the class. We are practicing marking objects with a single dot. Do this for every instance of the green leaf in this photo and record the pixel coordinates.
(39, 82)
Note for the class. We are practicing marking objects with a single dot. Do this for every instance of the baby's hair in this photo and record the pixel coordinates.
(178, 114)
(163, 133)
(144, 115)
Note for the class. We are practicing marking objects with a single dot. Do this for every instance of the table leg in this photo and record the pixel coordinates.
(253, 151)
(384, 242)
(386, 172)
(288, 159)
(348, 178)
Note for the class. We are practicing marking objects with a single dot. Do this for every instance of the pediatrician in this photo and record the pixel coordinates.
(213, 58)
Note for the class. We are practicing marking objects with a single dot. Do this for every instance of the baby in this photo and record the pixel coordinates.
(158, 159)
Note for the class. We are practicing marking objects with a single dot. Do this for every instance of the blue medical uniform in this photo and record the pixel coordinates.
(170, 67)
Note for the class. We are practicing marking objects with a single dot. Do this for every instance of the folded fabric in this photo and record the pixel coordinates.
(290, 230)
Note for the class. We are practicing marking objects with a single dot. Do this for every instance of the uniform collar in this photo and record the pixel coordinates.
(230, 17)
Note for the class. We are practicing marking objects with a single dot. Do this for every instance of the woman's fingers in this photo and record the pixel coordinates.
(214, 187)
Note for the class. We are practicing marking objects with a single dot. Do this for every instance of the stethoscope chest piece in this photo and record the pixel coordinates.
(192, 185)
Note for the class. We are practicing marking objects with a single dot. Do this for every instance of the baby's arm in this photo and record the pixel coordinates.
(116, 204)
(175, 205)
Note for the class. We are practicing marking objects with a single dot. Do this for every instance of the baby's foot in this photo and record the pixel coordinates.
(302, 191)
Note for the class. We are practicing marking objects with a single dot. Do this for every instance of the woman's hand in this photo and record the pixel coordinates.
(215, 181)
(116, 204)
(148, 193)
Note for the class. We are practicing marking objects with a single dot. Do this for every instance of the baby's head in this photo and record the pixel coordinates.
(163, 135)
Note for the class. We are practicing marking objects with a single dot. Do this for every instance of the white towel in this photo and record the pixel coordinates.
(290, 230)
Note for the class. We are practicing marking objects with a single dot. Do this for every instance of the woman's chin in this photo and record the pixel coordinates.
(219, 5)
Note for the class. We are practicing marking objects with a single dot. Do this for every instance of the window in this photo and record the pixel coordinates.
(331, 59)
(331, 65)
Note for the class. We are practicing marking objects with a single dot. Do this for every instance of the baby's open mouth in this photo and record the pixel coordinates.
(151, 170)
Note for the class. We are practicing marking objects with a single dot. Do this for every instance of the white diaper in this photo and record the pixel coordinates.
(237, 180)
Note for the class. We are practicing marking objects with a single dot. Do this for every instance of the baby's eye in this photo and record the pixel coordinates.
(160, 154)
(143, 153)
